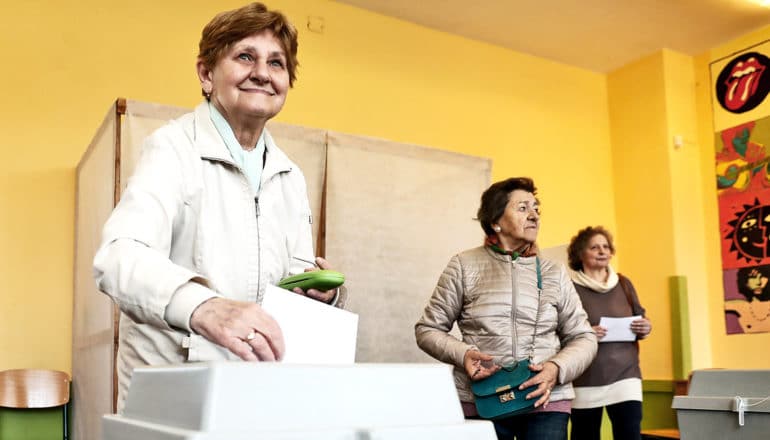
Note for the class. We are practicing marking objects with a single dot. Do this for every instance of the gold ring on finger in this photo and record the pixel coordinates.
(252, 334)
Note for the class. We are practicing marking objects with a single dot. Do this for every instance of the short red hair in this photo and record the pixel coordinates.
(230, 27)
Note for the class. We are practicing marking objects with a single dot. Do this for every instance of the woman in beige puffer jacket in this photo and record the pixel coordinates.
(492, 293)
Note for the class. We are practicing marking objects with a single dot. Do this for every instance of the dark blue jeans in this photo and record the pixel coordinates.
(626, 419)
(533, 426)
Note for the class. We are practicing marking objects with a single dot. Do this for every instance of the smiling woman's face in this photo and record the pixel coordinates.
(250, 80)
(597, 253)
(520, 221)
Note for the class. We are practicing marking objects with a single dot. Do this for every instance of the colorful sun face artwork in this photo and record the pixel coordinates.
(749, 234)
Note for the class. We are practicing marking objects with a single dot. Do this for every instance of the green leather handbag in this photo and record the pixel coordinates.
(498, 396)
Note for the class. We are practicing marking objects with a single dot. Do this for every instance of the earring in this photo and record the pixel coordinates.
(497, 228)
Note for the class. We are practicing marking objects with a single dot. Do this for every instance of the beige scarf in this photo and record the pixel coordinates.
(584, 280)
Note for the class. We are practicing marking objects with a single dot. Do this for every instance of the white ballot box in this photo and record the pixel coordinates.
(725, 404)
(271, 401)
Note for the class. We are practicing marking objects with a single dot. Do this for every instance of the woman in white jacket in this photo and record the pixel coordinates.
(215, 211)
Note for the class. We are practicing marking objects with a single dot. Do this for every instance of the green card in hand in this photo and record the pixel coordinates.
(317, 279)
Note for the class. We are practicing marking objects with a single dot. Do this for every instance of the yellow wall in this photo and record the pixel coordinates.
(687, 196)
(599, 146)
(65, 63)
(637, 100)
(729, 351)
(666, 203)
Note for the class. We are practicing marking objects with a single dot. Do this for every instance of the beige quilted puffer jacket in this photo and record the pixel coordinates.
(495, 301)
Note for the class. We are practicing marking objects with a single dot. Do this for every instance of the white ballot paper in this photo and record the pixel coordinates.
(618, 329)
(314, 333)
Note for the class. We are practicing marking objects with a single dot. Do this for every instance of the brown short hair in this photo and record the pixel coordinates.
(230, 27)
(579, 243)
(744, 274)
(496, 197)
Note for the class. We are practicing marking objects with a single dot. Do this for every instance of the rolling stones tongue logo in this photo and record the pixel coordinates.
(743, 84)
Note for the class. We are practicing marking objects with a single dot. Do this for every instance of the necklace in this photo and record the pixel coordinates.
(751, 309)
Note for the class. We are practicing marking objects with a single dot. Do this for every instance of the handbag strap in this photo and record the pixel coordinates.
(537, 314)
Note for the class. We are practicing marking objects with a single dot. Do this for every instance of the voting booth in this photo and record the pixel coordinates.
(725, 404)
(270, 401)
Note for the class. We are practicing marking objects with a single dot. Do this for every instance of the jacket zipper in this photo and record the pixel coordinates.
(259, 256)
(513, 311)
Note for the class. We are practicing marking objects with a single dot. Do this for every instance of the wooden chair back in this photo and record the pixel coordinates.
(32, 388)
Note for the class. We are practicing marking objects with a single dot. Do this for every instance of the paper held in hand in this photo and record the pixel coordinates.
(618, 329)
(314, 332)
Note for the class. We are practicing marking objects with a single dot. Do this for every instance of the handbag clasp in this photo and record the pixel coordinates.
(507, 397)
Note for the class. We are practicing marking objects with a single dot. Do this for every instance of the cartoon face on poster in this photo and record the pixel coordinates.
(745, 230)
(741, 84)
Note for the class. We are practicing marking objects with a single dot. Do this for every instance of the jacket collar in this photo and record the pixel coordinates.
(508, 258)
(276, 160)
(210, 145)
(206, 139)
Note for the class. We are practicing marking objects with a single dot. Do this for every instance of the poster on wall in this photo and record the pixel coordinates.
(743, 188)
(740, 84)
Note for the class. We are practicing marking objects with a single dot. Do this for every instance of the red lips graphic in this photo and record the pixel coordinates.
(742, 83)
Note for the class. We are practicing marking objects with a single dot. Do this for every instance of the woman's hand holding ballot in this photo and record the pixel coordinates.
(242, 327)
(318, 295)
(641, 327)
